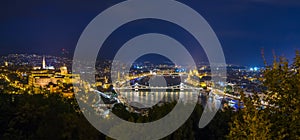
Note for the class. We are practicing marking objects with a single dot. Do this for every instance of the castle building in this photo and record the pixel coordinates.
(41, 78)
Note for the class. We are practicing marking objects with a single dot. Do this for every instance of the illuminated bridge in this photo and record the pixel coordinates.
(144, 96)
(137, 87)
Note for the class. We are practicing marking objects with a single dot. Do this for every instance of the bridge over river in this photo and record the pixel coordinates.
(139, 96)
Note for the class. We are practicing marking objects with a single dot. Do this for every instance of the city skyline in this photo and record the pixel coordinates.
(150, 69)
(48, 27)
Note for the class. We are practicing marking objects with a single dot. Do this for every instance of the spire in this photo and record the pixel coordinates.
(6, 64)
(44, 63)
(105, 80)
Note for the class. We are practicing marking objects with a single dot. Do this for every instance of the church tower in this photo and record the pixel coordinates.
(44, 63)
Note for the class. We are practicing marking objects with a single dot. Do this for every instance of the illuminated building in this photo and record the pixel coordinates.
(45, 67)
(36, 68)
(106, 85)
(41, 78)
(53, 79)
(64, 70)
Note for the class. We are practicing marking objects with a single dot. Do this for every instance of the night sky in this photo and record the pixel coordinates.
(243, 27)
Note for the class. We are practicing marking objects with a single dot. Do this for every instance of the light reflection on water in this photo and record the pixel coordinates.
(150, 99)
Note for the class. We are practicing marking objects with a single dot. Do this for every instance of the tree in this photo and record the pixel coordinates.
(281, 117)
(41, 117)
(282, 81)
(250, 122)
